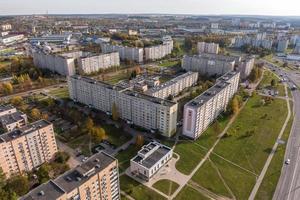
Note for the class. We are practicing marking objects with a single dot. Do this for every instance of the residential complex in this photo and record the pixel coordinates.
(245, 67)
(126, 53)
(174, 86)
(93, 63)
(96, 178)
(204, 47)
(256, 42)
(200, 112)
(26, 148)
(150, 159)
(142, 110)
(159, 51)
(209, 64)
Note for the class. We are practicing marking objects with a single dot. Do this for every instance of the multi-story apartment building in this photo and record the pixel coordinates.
(245, 67)
(246, 40)
(26, 148)
(7, 109)
(125, 53)
(204, 47)
(174, 86)
(13, 120)
(159, 51)
(97, 178)
(142, 110)
(282, 45)
(150, 159)
(12, 39)
(209, 64)
(200, 112)
(93, 63)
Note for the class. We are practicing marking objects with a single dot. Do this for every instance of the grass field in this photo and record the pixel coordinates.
(269, 183)
(137, 190)
(166, 186)
(60, 92)
(125, 156)
(169, 63)
(197, 149)
(188, 193)
(249, 144)
(266, 82)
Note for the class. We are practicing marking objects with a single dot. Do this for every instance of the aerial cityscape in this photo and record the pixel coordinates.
(149, 100)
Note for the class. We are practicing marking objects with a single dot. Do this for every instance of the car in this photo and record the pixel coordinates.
(287, 162)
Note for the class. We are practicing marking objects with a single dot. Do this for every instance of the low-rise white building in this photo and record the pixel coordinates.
(14, 120)
(11, 39)
(150, 159)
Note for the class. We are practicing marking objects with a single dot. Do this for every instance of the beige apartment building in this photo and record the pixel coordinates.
(204, 47)
(174, 86)
(142, 110)
(97, 178)
(200, 112)
(28, 147)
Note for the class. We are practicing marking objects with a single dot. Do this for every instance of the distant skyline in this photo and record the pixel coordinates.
(197, 7)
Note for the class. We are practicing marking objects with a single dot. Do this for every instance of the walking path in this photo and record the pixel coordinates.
(266, 166)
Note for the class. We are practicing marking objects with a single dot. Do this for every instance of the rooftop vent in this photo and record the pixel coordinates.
(97, 166)
(97, 160)
(41, 193)
(78, 178)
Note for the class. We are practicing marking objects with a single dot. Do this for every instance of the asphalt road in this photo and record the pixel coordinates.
(288, 186)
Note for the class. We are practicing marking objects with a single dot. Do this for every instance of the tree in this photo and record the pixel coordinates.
(7, 88)
(61, 157)
(235, 105)
(139, 141)
(19, 184)
(43, 173)
(98, 134)
(35, 114)
(89, 125)
(115, 113)
(44, 116)
(2, 178)
(273, 83)
(16, 101)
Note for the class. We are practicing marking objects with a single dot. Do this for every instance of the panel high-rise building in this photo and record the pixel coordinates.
(204, 47)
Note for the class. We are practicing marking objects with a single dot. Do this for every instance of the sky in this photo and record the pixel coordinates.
(198, 7)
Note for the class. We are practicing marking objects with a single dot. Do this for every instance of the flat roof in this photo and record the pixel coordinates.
(71, 179)
(29, 128)
(11, 118)
(215, 57)
(152, 158)
(6, 107)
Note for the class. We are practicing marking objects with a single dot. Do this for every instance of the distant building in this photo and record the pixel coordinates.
(11, 39)
(96, 178)
(174, 86)
(209, 64)
(132, 32)
(150, 159)
(214, 26)
(200, 112)
(6, 27)
(282, 45)
(159, 51)
(204, 47)
(26, 148)
(64, 39)
(297, 49)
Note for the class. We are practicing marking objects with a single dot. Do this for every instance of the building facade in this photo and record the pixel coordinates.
(26, 148)
(142, 110)
(150, 159)
(245, 67)
(159, 51)
(97, 178)
(174, 86)
(209, 64)
(282, 45)
(94, 63)
(204, 47)
(200, 112)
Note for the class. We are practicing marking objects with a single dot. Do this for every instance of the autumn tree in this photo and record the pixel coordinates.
(35, 114)
(89, 125)
(139, 140)
(7, 88)
(115, 112)
(98, 134)
(16, 101)
(235, 105)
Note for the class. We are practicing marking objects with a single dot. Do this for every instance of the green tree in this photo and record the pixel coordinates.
(19, 184)
(43, 173)
(115, 112)
(235, 105)
(61, 157)
(273, 83)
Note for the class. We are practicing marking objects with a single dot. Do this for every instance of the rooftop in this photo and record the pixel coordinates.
(150, 154)
(29, 128)
(71, 179)
(12, 118)
(6, 108)
(216, 57)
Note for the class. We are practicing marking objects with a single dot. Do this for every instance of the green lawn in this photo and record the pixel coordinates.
(166, 186)
(269, 183)
(137, 190)
(60, 92)
(251, 139)
(189, 193)
(194, 149)
(208, 177)
(169, 63)
(266, 82)
(125, 156)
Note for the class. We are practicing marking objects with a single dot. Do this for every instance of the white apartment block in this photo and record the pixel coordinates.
(174, 86)
(6, 27)
(94, 63)
(204, 47)
(159, 51)
(97, 178)
(282, 45)
(209, 64)
(142, 110)
(14, 120)
(150, 159)
(200, 112)
(26, 148)
(245, 67)
(11, 39)
(125, 53)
